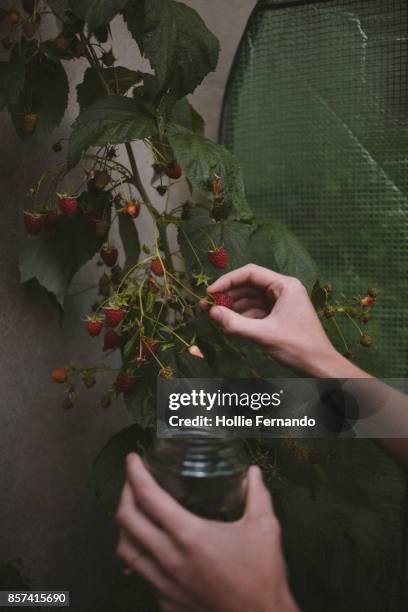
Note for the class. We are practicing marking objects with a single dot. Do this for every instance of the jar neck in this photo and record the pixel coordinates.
(198, 456)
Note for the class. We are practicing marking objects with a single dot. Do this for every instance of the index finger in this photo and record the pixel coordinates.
(250, 274)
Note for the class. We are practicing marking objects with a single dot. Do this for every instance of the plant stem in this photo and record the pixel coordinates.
(338, 330)
(192, 247)
(93, 61)
(169, 329)
(354, 323)
(136, 179)
(161, 228)
(199, 297)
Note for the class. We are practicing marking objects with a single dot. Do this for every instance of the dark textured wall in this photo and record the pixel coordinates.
(48, 519)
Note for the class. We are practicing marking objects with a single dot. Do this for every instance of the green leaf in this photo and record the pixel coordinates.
(202, 160)
(53, 258)
(184, 114)
(199, 232)
(58, 7)
(134, 16)
(108, 471)
(97, 12)
(263, 242)
(45, 93)
(181, 49)
(141, 402)
(111, 120)
(118, 78)
(188, 366)
(275, 247)
(12, 76)
(130, 239)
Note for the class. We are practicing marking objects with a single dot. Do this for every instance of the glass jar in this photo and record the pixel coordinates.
(205, 475)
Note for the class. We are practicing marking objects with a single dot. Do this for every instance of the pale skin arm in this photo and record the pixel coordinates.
(197, 565)
(275, 311)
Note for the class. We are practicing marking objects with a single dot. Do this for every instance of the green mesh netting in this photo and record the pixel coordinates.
(316, 110)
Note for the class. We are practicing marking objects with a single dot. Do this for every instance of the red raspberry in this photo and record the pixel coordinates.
(368, 300)
(33, 223)
(111, 340)
(68, 205)
(109, 255)
(132, 208)
(59, 375)
(113, 316)
(157, 267)
(218, 258)
(124, 383)
(94, 326)
(222, 299)
(173, 170)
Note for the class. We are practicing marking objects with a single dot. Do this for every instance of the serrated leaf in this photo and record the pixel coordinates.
(58, 7)
(181, 49)
(118, 78)
(188, 366)
(141, 402)
(12, 76)
(97, 12)
(202, 160)
(111, 120)
(183, 113)
(266, 243)
(134, 16)
(274, 246)
(53, 258)
(108, 471)
(45, 93)
(130, 239)
(199, 234)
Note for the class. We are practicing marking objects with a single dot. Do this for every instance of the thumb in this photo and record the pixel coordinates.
(232, 322)
(258, 502)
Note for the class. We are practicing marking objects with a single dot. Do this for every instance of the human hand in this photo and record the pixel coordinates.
(275, 310)
(199, 565)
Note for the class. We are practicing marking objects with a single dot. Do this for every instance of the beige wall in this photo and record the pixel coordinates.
(47, 517)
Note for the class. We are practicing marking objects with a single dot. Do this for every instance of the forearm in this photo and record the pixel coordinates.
(374, 397)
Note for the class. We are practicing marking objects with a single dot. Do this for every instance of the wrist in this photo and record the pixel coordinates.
(284, 602)
(331, 364)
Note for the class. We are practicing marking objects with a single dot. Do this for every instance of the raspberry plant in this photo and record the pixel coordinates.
(88, 204)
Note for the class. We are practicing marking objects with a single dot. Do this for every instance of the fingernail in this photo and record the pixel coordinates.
(130, 458)
(216, 313)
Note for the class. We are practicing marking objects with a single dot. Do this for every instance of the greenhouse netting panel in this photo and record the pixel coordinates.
(316, 110)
